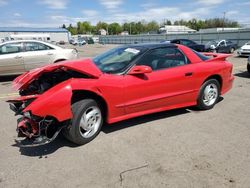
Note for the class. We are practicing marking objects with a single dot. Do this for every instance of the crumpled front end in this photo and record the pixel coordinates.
(36, 130)
(44, 105)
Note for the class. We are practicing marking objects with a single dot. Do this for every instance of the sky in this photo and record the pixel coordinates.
(54, 13)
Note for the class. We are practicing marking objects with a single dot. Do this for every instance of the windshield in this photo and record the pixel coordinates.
(118, 59)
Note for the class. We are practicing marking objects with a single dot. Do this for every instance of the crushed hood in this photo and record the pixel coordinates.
(85, 66)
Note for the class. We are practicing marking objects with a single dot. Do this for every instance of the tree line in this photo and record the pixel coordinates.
(141, 27)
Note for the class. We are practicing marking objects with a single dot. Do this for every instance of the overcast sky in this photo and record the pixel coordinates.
(53, 13)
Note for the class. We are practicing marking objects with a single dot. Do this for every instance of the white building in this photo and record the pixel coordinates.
(44, 34)
(102, 32)
(124, 33)
(218, 29)
(175, 29)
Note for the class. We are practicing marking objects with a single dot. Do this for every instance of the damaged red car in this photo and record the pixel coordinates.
(77, 97)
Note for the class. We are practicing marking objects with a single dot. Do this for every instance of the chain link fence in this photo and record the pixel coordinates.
(240, 37)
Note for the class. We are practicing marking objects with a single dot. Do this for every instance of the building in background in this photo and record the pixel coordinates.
(125, 33)
(102, 32)
(175, 29)
(218, 29)
(45, 34)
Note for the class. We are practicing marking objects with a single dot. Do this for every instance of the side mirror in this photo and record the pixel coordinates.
(140, 69)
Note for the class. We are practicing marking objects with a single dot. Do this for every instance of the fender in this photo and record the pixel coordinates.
(54, 102)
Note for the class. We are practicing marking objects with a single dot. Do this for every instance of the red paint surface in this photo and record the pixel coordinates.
(129, 96)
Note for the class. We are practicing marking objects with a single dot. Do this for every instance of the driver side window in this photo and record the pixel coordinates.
(163, 58)
(222, 43)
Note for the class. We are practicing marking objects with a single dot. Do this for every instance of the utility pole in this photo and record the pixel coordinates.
(224, 17)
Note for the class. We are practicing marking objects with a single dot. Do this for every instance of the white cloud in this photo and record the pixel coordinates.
(232, 13)
(111, 4)
(55, 4)
(17, 14)
(158, 14)
(148, 5)
(3, 2)
(90, 13)
(210, 2)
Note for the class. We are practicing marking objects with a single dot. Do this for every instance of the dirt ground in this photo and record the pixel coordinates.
(181, 148)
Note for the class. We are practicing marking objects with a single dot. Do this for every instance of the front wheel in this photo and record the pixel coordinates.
(86, 122)
(209, 94)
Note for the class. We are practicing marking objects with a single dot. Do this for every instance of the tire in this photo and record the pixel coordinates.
(248, 68)
(208, 95)
(231, 50)
(86, 122)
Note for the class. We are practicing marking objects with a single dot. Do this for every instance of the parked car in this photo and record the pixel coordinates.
(190, 44)
(80, 95)
(244, 50)
(79, 42)
(17, 57)
(96, 39)
(221, 46)
(61, 42)
(90, 40)
(248, 64)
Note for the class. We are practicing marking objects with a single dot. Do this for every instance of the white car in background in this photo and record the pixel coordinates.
(244, 50)
(79, 42)
(20, 56)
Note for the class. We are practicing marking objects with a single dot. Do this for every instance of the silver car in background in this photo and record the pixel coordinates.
(244, 50)
(20, 56)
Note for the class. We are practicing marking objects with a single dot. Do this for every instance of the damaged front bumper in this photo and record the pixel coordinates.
(35, 130)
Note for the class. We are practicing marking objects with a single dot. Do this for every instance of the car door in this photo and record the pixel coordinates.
(170, 83)
(222, 47)
(37, 55)
(11, 59)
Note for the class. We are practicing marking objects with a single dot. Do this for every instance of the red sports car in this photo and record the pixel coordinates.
(78, 96)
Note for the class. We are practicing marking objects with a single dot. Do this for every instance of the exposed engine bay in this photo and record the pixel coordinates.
(39, 130)
(48, 80)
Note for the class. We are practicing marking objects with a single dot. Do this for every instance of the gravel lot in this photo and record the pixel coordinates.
(175, 149)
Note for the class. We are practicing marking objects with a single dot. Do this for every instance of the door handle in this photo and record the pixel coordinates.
(18, 57)
(188, 74)
(49, 53)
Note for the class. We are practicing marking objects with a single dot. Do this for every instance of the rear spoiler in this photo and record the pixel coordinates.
(216, 56)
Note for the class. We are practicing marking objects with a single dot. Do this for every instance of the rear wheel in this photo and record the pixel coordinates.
(86, 122)
(209, 94)
(231, 50)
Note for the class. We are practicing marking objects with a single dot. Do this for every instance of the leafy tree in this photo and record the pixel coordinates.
(114, 28)
(143, 26)
(72, 30)
(152, 26)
